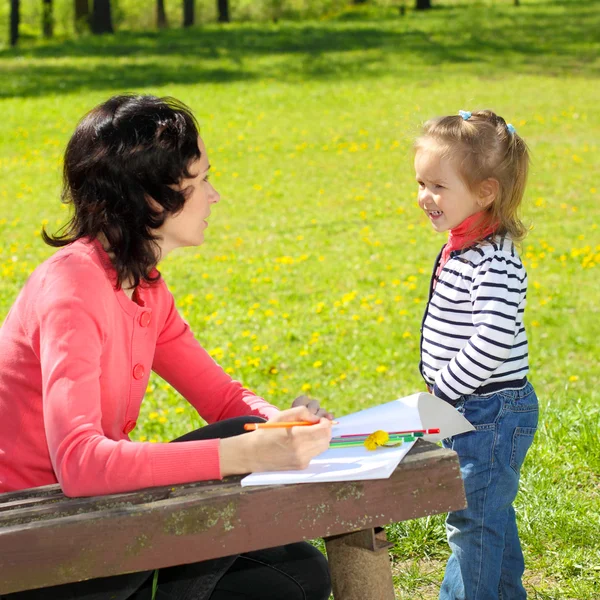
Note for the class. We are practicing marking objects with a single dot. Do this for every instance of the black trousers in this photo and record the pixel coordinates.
(291, 572)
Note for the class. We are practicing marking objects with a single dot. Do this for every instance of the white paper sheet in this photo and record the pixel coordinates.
(338, 464)
(418, 411)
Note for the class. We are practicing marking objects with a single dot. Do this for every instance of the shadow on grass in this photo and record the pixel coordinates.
(551, 39)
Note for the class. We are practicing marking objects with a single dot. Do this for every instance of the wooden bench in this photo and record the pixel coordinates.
(47, 539)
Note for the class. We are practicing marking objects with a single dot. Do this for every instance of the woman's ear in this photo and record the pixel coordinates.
(488, 192)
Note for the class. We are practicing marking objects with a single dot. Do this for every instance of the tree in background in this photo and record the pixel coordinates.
(223, 11)
(101, 17)
(188, 13)
(14, 22)
(161, 15)
(47, 18)
(81, 15)
(423, 4)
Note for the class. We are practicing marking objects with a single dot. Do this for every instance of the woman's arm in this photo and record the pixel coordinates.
(87, 449)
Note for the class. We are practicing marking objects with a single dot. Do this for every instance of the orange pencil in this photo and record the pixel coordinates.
(280, 425)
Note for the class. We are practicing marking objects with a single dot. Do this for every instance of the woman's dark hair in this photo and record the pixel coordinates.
(124, 152)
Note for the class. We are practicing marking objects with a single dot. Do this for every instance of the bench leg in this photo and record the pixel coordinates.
(360, 566)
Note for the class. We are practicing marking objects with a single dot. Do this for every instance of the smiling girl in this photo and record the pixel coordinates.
(471, 171)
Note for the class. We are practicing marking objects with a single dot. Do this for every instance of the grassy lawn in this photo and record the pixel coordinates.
(315, 271)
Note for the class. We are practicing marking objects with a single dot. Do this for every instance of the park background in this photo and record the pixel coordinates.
(315, 270)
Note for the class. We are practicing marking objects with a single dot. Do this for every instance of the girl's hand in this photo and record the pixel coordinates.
(313, 406)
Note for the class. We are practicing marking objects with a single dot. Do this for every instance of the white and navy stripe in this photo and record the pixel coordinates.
(473, 340)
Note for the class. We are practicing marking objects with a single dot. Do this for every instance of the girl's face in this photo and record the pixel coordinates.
(443, 195)
(186, 228)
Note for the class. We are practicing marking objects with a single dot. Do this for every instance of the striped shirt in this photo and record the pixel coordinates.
(473, 340)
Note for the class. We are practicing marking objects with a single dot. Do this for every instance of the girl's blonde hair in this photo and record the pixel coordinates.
(482, 147)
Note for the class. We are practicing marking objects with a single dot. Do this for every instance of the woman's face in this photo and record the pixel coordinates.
(186, 228)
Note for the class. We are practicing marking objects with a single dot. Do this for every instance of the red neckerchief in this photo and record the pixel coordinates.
(463, 236)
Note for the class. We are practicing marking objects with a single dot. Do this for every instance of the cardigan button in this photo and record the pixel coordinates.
(129, 426)
(139, 371)
(145, 319)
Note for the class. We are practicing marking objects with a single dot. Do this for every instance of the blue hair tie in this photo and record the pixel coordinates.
(465, 114)
(510, 128)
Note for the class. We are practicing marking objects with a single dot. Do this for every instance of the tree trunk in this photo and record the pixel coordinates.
(14, 22)
(188, 13)
(161, 15)
(101, 17)
(82, 15)
(223, 10)
(47, 21)
(423, 4)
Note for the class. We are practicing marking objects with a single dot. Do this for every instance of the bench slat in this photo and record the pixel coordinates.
(183, 524)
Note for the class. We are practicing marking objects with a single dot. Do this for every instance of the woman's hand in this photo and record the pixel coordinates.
(313, 406)
(276, 449)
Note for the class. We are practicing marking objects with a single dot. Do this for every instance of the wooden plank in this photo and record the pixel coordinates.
(200, 522)
(41, 495)
(57, 507)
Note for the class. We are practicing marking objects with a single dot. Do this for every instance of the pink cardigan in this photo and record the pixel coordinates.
(75, 358)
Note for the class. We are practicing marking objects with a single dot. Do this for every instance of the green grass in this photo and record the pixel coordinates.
(316, 265)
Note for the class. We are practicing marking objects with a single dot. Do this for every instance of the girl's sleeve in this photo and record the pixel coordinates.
(185, 364)
(498, 292)
(73, 321)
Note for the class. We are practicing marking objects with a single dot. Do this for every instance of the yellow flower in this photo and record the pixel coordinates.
(377, 438)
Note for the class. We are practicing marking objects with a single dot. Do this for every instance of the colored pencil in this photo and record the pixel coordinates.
(408, 431)
(358, 443)
(391, 437)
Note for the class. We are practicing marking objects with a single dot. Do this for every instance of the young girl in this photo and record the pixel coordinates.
(92, 321)
(471, 170)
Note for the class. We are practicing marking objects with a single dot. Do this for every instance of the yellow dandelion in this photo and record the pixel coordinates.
(381, 369)
(376, 439)
(573, 378)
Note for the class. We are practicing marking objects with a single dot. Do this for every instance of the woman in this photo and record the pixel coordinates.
(92, 321)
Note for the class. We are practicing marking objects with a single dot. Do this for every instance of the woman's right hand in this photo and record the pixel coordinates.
(276, 449)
